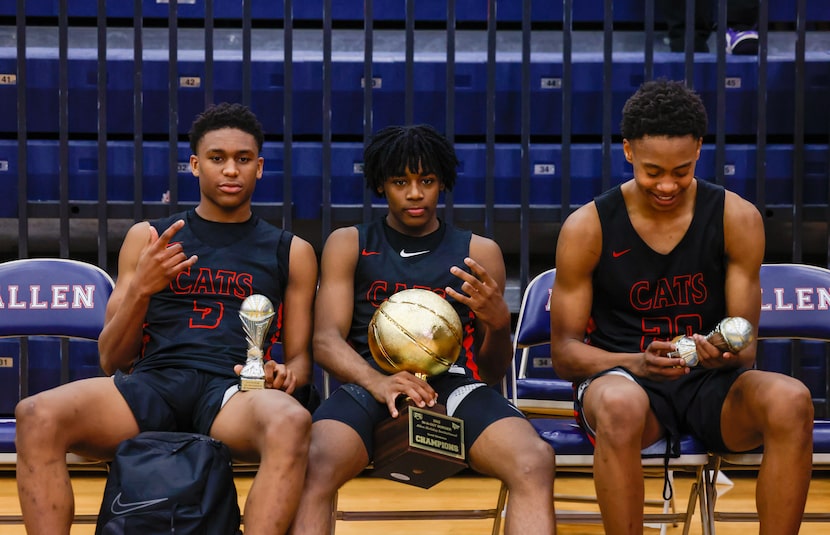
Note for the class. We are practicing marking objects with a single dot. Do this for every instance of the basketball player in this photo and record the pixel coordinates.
(666, 254)
(173, 336)
(410, 247)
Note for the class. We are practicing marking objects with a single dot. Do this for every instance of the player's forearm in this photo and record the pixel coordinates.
(494, 355)
(118, 351)
(120, 340)
(300, 366)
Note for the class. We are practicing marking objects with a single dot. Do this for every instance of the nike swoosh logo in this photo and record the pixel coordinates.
(617, 254)
(119, 508)
(404, 254)
(364, 252)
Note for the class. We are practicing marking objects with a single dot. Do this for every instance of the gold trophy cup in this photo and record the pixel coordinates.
(256, 314)
(420, 332)
(732, 334)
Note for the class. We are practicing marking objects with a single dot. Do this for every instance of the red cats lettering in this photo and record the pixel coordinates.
(206, 281)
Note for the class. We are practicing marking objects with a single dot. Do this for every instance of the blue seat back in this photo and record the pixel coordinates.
(533, 324)
(795, 302)
(53, 297)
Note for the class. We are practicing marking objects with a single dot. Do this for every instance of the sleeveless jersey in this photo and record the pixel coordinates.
(382, 271)
(641, 295)
(194, 322)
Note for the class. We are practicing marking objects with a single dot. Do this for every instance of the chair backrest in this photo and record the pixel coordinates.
(795, 302)
(533, 324)
(53, 297)
(795, 305)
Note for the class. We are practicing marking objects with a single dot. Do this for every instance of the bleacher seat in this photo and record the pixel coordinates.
(428, 84)
(347, 182)
(741, 174)
(9, 176)
(591, 11)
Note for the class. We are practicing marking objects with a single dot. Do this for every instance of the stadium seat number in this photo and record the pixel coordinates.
(551, 83)
(6, 362)
(4, 166)
(541, 362)
(544, 169)
(377, 82)
(732, 82)
(190, 81)
(8, 79)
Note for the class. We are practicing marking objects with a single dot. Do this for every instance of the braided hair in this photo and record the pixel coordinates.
(394, 149)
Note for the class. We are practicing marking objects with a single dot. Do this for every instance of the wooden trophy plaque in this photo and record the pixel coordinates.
(420, 447)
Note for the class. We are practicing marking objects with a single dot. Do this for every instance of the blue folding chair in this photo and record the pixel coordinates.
(48, 298)
(795, 307)
(541, 393)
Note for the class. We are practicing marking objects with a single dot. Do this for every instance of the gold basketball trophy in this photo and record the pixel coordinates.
(732, 334)
(420, 332)
(256, 314)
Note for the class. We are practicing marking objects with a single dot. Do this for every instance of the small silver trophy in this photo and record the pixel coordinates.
(256, 313)
(731, 334)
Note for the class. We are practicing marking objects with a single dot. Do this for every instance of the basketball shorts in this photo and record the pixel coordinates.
(472, 401)
(691, 404)
(175, 399)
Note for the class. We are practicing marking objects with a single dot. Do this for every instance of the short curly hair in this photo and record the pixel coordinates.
(225, 115)
(395, 148)
(663, 108)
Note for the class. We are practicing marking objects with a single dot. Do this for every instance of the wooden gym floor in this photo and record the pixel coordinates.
(464, 492)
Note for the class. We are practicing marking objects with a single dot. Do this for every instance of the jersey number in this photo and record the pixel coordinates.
(667, 328)
(206, 316)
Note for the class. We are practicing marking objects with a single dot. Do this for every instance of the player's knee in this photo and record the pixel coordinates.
(34, 418)
(799, 407)
(617, 411)
(540, 461)
(291, 425)
(529, 470)
(529, 461)
(802, 395)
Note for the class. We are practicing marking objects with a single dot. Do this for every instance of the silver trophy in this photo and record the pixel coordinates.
(256, 314)
(731, 334)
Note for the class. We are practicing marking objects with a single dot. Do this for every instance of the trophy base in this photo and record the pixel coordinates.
(247, 383)
(420, 447)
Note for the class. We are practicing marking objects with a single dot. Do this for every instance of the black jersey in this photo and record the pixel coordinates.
(194, 322)
(641, 295)
(382, 271)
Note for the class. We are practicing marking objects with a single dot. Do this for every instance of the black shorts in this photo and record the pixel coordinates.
(691, 404)
(174, 399)
(177, 399)
(472, 401)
